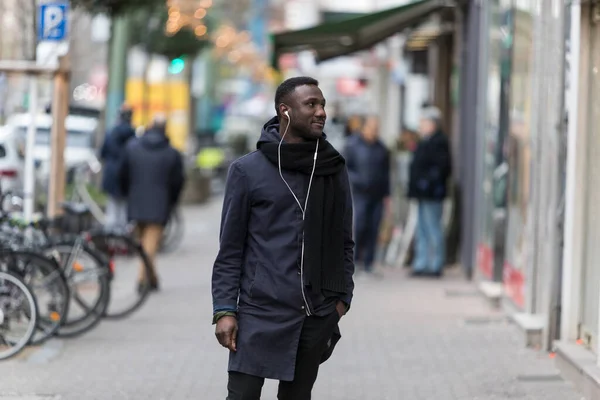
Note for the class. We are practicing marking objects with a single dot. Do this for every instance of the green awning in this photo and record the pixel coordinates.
(334, 39)
(333, 16)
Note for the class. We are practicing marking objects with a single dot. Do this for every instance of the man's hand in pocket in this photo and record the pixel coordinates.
(340, 307)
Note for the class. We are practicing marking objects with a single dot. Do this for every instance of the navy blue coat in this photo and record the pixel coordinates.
(430, 169)
(112, 152)
(256, 272)
(369, 167)
(152, 178)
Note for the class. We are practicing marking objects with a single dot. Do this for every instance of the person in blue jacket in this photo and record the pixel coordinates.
(368, 163)
(112, 153)
(429, 172)
(152, 179)
(282, 278)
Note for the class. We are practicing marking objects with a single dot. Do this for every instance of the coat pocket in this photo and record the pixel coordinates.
(263, 289)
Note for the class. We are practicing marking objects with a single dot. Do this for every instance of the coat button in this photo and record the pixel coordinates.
(299, 273)
(303, 307)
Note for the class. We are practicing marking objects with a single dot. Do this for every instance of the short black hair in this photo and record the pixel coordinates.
(289, 85)
(126, 113)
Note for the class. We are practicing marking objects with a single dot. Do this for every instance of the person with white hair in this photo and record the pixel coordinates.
(429, 172)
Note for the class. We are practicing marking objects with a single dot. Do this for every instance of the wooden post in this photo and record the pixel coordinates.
(60, 109)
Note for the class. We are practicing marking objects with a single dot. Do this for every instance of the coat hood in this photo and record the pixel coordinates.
(270, 132)
(123, 132)
(154, 139)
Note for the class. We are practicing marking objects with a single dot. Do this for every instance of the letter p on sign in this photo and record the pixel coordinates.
(53, 21)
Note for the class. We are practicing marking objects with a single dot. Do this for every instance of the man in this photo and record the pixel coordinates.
(368, 163)
(353, 125)
(429, 171)
(283, 276)
(152, 179)
(112, 153)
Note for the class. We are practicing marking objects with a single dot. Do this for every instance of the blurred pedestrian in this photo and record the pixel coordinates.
(283, 276)
(429, 172)
(408, 141)
(112, 153)
(368, 163)
(353, 125)
(152, 178)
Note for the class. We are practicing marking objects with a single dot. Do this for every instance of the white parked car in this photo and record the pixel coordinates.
(80, 145)
(12, 161)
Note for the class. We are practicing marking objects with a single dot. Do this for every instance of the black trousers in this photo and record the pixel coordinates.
(316, 332)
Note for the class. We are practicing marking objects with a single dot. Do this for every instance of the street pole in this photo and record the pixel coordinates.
(117, 68)
(60, 106)
(29, 179)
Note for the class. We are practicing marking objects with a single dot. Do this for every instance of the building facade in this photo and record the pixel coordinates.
(578, 351)
(518, 232)
(17, 42)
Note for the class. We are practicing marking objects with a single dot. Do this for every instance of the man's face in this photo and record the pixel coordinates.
(426, 127)
(371, 130)
(307, 114)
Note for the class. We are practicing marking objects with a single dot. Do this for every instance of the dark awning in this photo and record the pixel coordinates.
(334, 39)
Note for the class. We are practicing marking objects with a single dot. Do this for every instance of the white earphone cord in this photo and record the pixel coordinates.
(303, 209)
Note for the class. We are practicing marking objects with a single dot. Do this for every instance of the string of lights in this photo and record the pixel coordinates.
(187, 13)
(230, 45)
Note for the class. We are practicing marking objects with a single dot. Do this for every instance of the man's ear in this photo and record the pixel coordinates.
(282, 109)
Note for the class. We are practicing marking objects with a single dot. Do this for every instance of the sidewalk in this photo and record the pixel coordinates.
(404, 339)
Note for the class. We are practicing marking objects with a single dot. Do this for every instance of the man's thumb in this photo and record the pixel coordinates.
(234, 338)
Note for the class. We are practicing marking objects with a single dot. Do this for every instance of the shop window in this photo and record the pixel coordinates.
(518, 151)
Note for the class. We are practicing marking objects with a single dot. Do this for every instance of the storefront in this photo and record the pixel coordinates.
(583, 255)
(518, 154)
(578, 350)
(493, 175)
(542, 270)
(519, 172)
(590, 289)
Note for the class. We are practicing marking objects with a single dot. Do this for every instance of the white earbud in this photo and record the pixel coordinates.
(287, 114)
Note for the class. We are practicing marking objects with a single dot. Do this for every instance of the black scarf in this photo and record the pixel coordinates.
(324, 222)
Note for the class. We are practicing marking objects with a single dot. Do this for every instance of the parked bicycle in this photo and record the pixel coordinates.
(85, 173)
(69, 273)
(18, 315)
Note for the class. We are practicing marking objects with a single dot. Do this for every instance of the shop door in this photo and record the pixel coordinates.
(591, 268)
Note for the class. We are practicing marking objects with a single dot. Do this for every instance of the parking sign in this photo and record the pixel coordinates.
(53, 21)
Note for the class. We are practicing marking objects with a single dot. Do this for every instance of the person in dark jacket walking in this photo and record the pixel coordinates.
(282, 278)
(429, 172)
(112, 152)
(368, 163)
(152, 178)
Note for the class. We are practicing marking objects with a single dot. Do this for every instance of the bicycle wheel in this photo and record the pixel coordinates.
(173, 233)
(131, 271)
(11, 202)
(18, 315)
(88, 276)
(46, 280)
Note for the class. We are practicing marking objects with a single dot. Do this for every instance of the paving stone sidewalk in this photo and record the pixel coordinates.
(409, 339)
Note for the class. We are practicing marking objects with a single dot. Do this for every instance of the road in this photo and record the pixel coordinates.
(409, 339)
